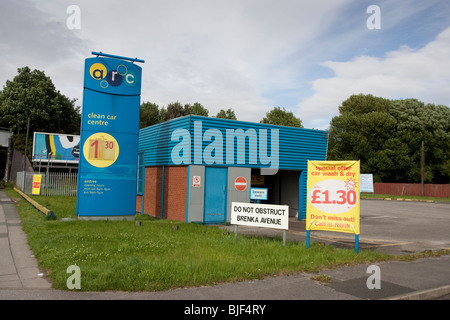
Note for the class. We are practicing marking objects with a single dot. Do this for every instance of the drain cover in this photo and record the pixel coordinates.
(358, 288)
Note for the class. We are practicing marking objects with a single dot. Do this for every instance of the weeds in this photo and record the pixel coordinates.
(154, 255)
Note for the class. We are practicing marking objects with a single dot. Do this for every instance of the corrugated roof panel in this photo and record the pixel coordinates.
(222, 142)
(231, 143)
(156, 142)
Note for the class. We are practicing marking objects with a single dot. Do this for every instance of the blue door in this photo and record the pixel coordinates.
(215, 195)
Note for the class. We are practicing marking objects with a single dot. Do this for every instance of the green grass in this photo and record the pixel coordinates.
(120, 255)
(390, 196)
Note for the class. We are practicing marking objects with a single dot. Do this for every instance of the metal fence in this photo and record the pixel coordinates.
(52, 184)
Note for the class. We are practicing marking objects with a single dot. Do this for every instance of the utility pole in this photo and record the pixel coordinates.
(422, 167)
(25, 157)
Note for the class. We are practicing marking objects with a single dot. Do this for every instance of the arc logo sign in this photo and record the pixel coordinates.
(114, 76)
(109, 137)
(98, 71)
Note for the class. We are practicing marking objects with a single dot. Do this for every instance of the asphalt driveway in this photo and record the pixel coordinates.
(390, 226)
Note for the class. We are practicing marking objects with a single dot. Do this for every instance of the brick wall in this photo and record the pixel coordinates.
(175, 188)
(152, 193)
(138, 203)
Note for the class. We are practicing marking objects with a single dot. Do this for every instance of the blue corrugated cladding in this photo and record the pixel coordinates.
(295, 147)
(156, 142)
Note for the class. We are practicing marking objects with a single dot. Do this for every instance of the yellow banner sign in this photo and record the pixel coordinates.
(36, 184)
(333, 196)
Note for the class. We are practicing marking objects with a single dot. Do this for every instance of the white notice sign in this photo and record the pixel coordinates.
(259, 193)
(260, 215)
(366, 182)
(196, 181)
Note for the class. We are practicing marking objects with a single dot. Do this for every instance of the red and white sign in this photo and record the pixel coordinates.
(240, 183)
(196, 181)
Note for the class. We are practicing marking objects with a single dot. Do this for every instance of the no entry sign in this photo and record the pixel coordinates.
(240, 183)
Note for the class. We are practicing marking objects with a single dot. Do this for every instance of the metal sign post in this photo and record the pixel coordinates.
(260, 215)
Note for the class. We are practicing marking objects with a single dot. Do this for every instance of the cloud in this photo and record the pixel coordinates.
(228, 54)
(223, 54)
(40, 39)
(249, 55)
(422, 73)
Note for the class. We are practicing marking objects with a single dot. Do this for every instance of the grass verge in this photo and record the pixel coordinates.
(397, 197)
(121, 255)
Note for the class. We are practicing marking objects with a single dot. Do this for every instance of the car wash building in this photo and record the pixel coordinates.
(192, 168)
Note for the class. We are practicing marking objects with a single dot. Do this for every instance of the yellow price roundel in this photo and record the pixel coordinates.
(101, 150)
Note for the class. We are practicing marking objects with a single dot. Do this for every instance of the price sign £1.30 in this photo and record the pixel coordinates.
(333, 196)
(101, 150)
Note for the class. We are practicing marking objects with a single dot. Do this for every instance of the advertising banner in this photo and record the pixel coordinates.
(109, 137)
(58, 148)
(333, 196)
(36, 184)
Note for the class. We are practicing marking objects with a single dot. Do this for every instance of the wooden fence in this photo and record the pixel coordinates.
(412, 189)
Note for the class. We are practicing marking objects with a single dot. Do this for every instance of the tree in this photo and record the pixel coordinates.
(176, 110)
(229, 114)
(364, 130)
(282, 117)
(362, 104)
(150, 115)
(360, 131)
(31, 94)
(199, 110)
(386, 135)
(417, 122)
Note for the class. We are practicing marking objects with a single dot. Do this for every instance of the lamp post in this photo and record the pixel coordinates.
(49, 156)
(422, 167)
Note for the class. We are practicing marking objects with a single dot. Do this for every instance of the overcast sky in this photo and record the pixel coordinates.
(248, 55)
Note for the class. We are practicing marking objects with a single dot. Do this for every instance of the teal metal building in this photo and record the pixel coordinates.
(192, 168)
